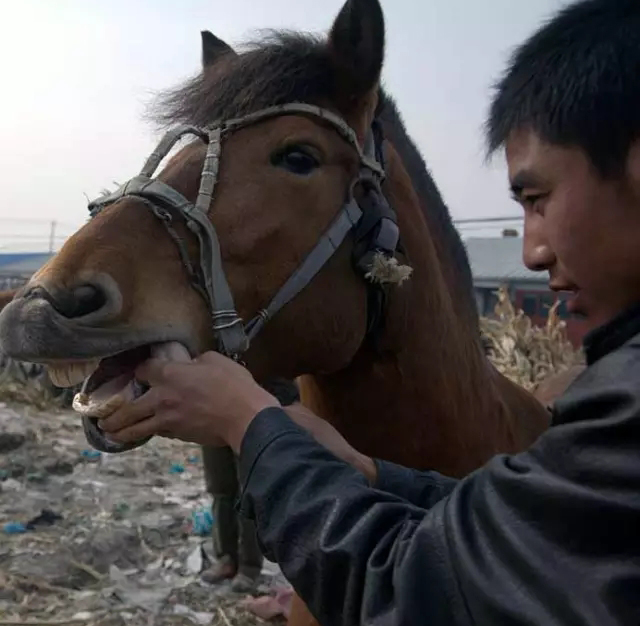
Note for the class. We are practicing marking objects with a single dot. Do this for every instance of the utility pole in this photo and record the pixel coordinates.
(52, 236)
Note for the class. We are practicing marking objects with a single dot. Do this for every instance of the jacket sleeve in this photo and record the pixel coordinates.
(508, 544)
(318, 518)
(423, 489)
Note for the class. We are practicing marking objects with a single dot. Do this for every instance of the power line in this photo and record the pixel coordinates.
(36, 221)
(51, 237)
(487, 220)
(468, 220)
(35, 237)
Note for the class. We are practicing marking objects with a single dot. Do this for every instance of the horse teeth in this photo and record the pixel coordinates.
(72, 374)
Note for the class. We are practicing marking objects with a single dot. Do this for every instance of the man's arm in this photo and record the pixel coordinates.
(421, 488)
(507, 545)
(335, 536)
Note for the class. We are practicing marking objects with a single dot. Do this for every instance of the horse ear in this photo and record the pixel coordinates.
(213, 48)
(356, 45)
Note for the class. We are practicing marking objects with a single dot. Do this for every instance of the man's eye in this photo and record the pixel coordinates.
(532, 201)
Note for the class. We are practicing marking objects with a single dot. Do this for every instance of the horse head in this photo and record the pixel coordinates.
(266, 237)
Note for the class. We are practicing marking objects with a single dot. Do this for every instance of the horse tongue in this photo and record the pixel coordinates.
(114, 394)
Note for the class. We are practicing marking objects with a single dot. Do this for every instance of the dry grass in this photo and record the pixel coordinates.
(27, 386)
(525, 353)
(28, 393)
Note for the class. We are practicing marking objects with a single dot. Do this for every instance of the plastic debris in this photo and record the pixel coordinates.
(193, 459)
(37, 477)
(199, 617)
(196, 560)
(82, 616)
(120, 510)
(46, 518)
(135, 593)
(11, 441)
(201, 523)
(91, 455)
(11, 484)
(14, 528)
(126, 539)
(176, 468)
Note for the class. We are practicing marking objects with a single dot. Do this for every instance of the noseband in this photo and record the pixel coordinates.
(374, 224)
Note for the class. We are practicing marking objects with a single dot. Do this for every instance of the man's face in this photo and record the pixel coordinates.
(581, 228)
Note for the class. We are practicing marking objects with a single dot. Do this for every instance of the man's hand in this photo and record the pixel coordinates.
(210, 401)
(326, 435)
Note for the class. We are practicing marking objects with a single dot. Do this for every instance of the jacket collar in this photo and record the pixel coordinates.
(612, 335)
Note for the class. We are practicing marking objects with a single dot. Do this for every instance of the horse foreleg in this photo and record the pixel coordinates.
(300, 615)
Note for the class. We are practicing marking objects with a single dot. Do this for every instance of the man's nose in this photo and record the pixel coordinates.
(536, 251)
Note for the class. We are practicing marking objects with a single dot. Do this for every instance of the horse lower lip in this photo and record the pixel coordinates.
(101, 396)
(97, 438)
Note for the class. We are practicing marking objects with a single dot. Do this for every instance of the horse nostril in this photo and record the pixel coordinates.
(77, 302)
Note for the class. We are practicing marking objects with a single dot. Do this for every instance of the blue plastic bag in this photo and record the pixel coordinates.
(14, 528)
(202, 523)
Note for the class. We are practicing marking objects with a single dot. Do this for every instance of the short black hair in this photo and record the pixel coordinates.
(576, 82)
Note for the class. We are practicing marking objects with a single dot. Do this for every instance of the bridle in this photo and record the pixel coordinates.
(373, 222)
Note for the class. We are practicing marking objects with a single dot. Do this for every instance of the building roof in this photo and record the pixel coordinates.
(22, 264)
(499, 259)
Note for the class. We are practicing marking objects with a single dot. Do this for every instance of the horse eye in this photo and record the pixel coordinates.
(296, 160)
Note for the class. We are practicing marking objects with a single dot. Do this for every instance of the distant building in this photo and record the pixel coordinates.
(497, 261)
(17, 268)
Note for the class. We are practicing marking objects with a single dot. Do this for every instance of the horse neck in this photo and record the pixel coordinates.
(423, 395)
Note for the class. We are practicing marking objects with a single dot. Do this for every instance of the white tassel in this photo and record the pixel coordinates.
(387, 270)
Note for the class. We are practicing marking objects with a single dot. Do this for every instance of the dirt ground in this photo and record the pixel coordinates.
(112, 539)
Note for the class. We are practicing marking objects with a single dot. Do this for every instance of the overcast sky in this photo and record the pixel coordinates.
(76, 75)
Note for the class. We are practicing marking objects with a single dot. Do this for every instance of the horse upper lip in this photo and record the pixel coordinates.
(52, 338)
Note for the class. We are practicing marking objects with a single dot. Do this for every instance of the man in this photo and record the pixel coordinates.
(549, 536)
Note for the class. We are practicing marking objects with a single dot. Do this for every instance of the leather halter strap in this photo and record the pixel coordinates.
(209, 279)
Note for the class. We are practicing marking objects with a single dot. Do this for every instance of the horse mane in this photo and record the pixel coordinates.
(431, 202)
(284, 67)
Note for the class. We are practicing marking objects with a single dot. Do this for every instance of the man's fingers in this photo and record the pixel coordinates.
(212, 358)
(156, 371)
(141, 430)
(220, 364)
(142, 408)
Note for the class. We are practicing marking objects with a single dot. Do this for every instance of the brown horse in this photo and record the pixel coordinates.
(399, 369)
